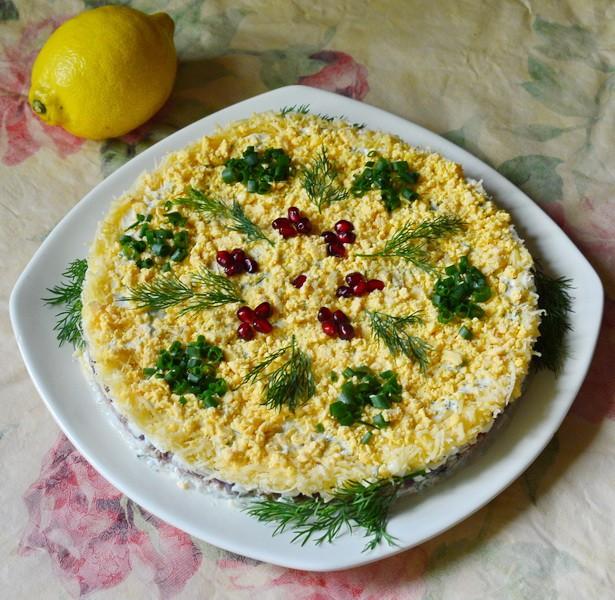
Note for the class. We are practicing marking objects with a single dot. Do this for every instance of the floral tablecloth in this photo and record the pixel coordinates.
(527, 86)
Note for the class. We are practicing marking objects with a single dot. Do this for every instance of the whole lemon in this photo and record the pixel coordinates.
(104, 72)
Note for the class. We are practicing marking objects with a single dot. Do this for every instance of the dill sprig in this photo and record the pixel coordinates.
(68, 293)
(391, 331)
(554, 298)
(234, 213)
(291, 384)
(302, 109)
(360, 504)
(409, 241)
(319, 181)
(207, 290)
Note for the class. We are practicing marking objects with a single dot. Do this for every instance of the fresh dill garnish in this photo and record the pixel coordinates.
(554, 298)
(234, 213)
(319, 181)
(409, 241)
(207, 290)
(302, 109)
(391, 331)
(328, 118)
(291, 384)
(68, 293)
(361, 504)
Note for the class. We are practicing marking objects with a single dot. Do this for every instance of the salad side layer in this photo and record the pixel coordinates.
(432, 310)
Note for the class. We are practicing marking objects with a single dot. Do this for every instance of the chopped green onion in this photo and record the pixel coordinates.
(465, 333)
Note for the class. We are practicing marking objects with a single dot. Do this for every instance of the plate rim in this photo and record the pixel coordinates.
(277, 98)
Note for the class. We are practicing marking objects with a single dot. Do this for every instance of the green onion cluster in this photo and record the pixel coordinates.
(457, 294)
(393, 179)
(158, 243)
(191, 369)
(257, 171)
(364, 388)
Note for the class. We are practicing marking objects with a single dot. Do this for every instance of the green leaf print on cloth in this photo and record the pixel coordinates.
(564, 42)
(8, 11)
(497, 569)
(535, 174)
(558, 91)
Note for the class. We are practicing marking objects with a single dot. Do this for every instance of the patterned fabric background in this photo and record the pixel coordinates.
(527, 86)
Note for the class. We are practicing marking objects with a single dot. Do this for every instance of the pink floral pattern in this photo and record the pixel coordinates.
(342, 74)
(397, 578)
(95, 536)
(21, 132)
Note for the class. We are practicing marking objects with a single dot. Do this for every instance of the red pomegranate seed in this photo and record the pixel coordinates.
(245, 314)
(245, 331)
(347, 238)
(336, 249)
(375, 284)
(360, 289)
(232, 269)
(224, 258)
(303, 226)
(238, 255)
(354, 278)
(324, 314)
(340, 317)
(263, 310)
(250, 265)
(343, 226)
(346, 331)
(329, 328)
(281, 222)
(329, 237)
(299, 281)
(294, 214)
(287, 231)
(262, 325)
(343, 291)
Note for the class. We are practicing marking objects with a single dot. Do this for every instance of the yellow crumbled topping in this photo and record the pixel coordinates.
(467, 384)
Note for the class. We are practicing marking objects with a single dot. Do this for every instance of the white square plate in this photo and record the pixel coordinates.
(60, 382)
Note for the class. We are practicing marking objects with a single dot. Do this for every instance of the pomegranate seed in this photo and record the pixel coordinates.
(250, 265)
(354, 278)
(343, 291)
(324, 314)
(281, 222)
(245, 331)
(343, 226)
(375, 284)
(360, 289)
(294, 214)
(303, 226)
(299, 281)
(224, 258)
(329, 237)
(238, 255)
(262, 325)
(329, 328)
(347, 238)
(287, 231)
(232, 269)
(336, 249)
(340, 317)
(263, 310)
(245, 314)
(346, 331)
